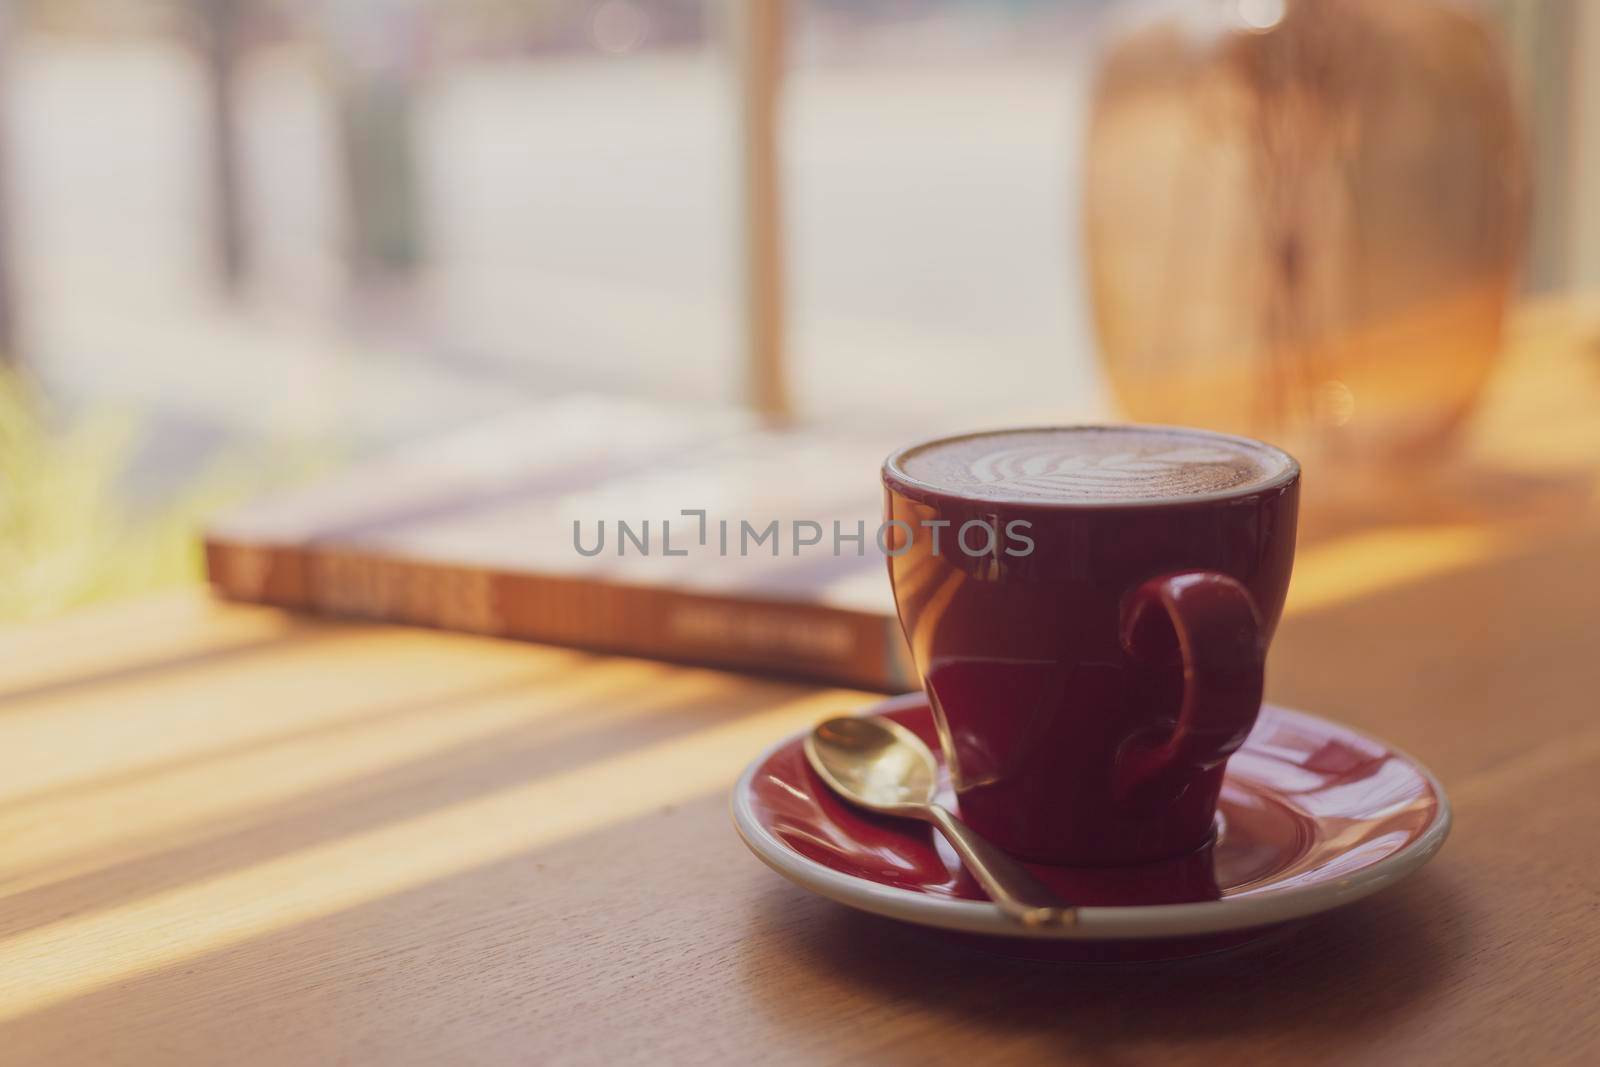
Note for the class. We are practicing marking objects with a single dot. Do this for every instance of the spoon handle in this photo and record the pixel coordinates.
(1017, 893)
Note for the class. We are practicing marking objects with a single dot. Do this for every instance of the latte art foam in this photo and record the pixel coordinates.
(1093, 463)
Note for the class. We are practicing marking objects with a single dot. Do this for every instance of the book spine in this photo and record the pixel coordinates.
(815, 642)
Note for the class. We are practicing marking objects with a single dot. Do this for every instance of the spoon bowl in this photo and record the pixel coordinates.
(877, 764)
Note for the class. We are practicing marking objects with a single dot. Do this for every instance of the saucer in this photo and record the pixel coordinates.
(1313, 815)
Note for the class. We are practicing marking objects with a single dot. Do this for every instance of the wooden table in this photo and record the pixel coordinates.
(234, 836)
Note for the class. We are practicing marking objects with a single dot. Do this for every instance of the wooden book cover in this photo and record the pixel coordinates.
(603, 524)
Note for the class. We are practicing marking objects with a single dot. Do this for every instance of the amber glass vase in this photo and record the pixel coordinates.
(1304, 218)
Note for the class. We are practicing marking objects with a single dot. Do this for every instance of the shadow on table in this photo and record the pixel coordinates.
(1342, 975)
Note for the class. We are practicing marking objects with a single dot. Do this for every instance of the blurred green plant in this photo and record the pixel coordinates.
(67, 536)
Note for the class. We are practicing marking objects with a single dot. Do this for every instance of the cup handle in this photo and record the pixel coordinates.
(1220, 644)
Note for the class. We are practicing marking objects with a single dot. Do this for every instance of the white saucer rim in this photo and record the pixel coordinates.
(1123, 923)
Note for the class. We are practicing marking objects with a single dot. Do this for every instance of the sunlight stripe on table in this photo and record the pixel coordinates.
(205, 796)
(78, 955)
(91, 646)
(1332, 572)
(54, 741)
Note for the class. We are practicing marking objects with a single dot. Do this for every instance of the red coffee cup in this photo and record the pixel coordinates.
(1089, 609)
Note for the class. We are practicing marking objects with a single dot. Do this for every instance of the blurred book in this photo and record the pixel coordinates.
(603, 524)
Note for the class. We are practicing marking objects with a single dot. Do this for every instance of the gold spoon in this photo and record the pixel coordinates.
(879, 765)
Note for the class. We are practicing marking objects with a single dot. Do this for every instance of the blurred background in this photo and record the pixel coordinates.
(245, 241)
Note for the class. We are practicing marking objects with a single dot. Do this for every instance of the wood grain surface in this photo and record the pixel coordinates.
(234, 836)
